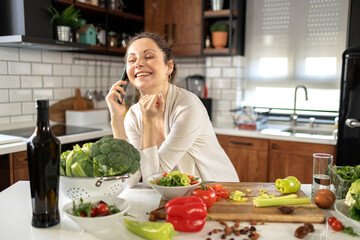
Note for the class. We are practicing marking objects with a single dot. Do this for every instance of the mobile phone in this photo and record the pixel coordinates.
(123, 77)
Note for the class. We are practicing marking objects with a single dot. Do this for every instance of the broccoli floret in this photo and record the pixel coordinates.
(114, 156)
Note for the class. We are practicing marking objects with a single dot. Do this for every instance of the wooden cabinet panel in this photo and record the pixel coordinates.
(248, 155)
(20, 167)
(177, 20)
(294, 158)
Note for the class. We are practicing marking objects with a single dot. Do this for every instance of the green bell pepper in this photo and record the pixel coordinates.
(151, 230)
(288, 185)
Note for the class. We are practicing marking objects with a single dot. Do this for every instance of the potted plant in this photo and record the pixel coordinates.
(65, 22)
(219, 34)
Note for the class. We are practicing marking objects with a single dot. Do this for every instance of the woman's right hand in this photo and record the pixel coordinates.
(114, 107)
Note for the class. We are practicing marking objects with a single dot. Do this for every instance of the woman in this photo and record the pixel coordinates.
(169, 125)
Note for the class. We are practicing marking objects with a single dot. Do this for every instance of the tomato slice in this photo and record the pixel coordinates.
(165, 173)
(190, 176)
(83, 214)
(193, 182)
(93, 212)
(216, 187)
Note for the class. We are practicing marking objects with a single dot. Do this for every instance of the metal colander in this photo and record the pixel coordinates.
(82, 187)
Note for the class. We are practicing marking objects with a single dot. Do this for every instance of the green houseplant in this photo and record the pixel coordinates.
(65, 21)
(219, 34)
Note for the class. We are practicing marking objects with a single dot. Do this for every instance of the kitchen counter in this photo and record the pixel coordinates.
(16, 212)
(105, 130)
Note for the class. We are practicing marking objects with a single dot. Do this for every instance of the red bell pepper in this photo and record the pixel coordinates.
(206, 194)
(186, 214)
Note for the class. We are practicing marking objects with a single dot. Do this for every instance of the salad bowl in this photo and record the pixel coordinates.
(168, 192)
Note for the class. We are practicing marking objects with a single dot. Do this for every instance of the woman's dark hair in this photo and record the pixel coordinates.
(164, 46)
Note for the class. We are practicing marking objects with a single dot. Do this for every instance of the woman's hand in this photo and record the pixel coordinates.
(152, 105)
(114, 107)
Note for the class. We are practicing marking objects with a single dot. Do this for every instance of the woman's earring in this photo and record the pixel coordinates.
(169, 77)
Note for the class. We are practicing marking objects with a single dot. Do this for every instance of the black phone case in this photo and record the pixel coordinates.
(123, 77)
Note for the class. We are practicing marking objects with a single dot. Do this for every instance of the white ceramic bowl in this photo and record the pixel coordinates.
(169, 193)
(94, 224)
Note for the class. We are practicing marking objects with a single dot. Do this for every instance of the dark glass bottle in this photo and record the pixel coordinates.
(43, 152)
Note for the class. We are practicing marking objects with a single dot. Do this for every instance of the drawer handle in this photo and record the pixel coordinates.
(241, 143)
(166, 32)
(273, 146)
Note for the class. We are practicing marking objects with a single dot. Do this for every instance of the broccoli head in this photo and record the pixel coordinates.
(114, 157)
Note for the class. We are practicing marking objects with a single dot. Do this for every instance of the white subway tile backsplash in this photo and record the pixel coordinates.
(62, 70)
(62, 93)
(208, 62)
(51, 57)
(4, 96)
(221, 61)
(52, 82)
(198, 71)
(20, 95)
(9, 82)
(67, 57)
(213, 72)
(31, 82)
(214, 93)
(228, 94)
(41, 69)
(18, 68)
(8, 53)
(71, 82)
(221, 83)
(4, 120)
(229, 72)
(10, 109)
(78, 70)
(42, 94)
(28, 108)
(30, 55)
(3, 68)
(239, 61)
(23, 118)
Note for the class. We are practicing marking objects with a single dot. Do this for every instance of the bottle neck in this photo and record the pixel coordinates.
(43, 117)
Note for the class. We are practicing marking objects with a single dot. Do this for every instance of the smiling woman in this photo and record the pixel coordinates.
(169, 125)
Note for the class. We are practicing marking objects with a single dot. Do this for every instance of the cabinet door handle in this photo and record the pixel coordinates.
(241, 143)
(173, 31)
(166, 32)
(273, 146)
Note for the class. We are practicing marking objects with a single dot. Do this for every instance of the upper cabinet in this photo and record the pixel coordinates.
(26, 23)
(232, 13)
(177, 20)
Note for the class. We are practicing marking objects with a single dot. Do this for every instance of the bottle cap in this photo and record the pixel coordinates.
(42, 103)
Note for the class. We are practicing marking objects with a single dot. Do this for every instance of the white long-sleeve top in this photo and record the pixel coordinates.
(190, 146)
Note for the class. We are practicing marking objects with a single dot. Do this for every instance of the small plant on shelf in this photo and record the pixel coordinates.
(69, 17)
(219, 34)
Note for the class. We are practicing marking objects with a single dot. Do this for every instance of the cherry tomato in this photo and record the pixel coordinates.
(83, 214)
(337, 225)
(331, 220)
(93, 212)
(102, 208)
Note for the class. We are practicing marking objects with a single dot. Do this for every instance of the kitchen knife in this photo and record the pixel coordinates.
(123, 77)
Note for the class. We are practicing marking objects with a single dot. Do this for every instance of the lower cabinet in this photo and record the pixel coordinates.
(248, 155)
(264, 160)
(13, 168)
(294, 159)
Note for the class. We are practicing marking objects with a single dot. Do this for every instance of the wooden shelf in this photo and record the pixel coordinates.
(117, 50)
(122, 14)
(98, 48)
(90, 7)
(215, 51)
(65, 1)
(221, 13)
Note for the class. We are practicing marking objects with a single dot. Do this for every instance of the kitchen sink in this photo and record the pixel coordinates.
(311, 131)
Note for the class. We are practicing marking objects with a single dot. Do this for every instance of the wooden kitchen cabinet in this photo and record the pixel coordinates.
(288, 158)
(177, 20)
(248, 155)
(13, 168)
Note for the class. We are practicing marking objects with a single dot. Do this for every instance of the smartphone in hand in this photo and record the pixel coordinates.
(123, 77)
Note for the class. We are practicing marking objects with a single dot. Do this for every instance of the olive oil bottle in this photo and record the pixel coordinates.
(43, 152)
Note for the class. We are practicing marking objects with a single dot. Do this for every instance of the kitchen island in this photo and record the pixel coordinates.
(16, 212)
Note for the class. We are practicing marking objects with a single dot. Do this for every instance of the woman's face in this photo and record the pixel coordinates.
(146, 67)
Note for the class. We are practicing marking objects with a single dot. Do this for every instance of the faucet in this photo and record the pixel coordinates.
(293, 116)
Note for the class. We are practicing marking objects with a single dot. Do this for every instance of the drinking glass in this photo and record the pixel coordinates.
(321, 177)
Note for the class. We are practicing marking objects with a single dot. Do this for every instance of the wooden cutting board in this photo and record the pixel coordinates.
(229, 210)
(57, 110)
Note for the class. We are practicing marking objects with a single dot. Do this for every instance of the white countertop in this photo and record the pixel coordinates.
(106, 131)
(16, 212)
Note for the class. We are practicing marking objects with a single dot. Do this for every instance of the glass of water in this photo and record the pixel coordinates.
(321, 177)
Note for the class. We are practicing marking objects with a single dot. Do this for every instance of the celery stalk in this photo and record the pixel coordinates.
(278, 201)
